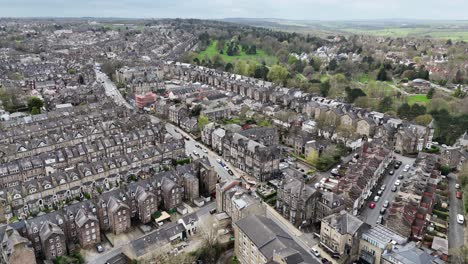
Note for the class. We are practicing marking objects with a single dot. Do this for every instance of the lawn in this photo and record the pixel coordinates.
(260, 56)
(417, 99)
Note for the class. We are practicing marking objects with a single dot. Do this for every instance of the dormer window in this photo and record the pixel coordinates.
(60, 221)
(47, 186)
(63, 181)
(17, 196)
(22, 149)
(32, 190)
(35, 230)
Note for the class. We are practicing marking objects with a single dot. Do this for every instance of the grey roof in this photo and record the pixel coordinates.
(82, 217)
(344, 222)
(48, 229)
(269, 238)
(411, 254)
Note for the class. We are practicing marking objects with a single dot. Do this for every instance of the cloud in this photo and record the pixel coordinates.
(290, 9)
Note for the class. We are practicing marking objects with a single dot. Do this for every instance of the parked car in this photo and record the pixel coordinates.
(230, 172)
(397, 183)
(376, 198)
(391, 172)
(396, 166)
(372, 205)
(460, 219)
(458, 195)
(99, 248)
(315, 252)
(394, 188)
(382, 188)
(457, 186)
(379, 193)
(386, 204)
(383, 210)
(218, 160)
(205, 151)
(195, 153)
(401, 176)
(380, 219)
(212, 211)
(399, 162)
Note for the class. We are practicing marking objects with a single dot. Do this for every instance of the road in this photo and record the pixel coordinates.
(115, 251)
(370, 215)
(456, 234)
(111, 89)
(191, 146)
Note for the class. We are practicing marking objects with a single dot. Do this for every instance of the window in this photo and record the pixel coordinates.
(93, 230)
(94, 236)
(92, 224)
(59, 251)
(86, 226)
(57, 239)
(118, 213)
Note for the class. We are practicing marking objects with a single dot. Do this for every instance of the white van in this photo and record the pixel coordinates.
(460, 219)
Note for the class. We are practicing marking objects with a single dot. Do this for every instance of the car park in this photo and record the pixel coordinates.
(397, 183)
(372, 205)
(376, 198)
(394, 188)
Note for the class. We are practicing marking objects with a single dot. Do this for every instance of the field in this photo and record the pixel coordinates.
(260, 56)
(415, 32)
(417, 99)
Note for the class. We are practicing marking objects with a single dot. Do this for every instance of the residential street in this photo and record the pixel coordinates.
(456, 233)
(369, 215)
(111, 89)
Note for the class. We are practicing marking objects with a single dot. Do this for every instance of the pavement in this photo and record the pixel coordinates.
(369, 215)
(456, 231)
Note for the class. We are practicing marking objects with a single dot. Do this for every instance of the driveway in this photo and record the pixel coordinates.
(456, 231)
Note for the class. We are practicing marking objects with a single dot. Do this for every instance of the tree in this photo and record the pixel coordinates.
(210, 235)
(217, 61)
(430, 93)
(423, 120)
(325, 88)
(35, 111)
(382, 75)
(34, 101)
(345, 132)
(308, 71)
(202, 122)
(385, 104)
(353, 94)
(445, 169)
(81, 79)
(282, 55)
(278, 74)
(229, 67)
(332, 65)
(313, 157)
(240, 67)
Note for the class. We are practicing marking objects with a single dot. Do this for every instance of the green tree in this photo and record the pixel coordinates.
(35, 111)
(325, 88)
(423, 120)
(278, 74)
(202, 122)
(313, 157)
(430, 93)
(385, 104)
(332, 65)
(229, 67)
(241, 68)
(353, 94)
(35, 101)
(382, 75)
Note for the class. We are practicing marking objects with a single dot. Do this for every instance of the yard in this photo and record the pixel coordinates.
(417, 99)
(260, 56)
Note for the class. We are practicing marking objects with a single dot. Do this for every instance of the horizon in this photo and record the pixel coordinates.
(302, 10)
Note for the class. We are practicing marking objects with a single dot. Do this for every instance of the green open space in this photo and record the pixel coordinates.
(261, 56)
(417, 99)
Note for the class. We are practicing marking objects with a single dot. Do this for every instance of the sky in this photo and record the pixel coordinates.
(216, 9)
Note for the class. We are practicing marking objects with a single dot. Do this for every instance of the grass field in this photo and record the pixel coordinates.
(260, 56)
(417, 99)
